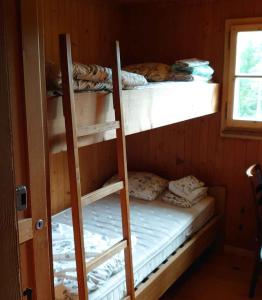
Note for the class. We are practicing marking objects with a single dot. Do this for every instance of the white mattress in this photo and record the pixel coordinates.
(158, 229)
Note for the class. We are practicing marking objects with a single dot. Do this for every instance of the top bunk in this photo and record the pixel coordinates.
(145, 107)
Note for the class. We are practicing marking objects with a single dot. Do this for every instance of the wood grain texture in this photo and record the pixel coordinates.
(9, 253)
(216, 276)
(144, 109)
(122, 170)
(25, 230)
(73, 163)
(30, 28)
(93, 26)
(182, 29)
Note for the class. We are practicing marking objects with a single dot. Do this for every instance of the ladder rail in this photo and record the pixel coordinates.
(73, 162)
(74, 172)
(122, 171)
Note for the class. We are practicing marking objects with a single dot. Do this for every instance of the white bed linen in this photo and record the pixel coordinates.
(157, 228)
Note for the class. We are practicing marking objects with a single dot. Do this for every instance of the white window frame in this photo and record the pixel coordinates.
(229, 126)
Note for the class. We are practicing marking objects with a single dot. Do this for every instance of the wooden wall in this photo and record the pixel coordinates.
(168, 31)
(160, 31)
(93, 26)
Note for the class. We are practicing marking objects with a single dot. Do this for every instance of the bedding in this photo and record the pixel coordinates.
(151, 71)
(143, 185)
(90, 77)
(158, 229)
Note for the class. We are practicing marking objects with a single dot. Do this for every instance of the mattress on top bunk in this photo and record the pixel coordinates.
(158, 229)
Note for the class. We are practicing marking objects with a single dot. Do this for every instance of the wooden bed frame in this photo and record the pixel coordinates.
(168, 272)
(144, 108)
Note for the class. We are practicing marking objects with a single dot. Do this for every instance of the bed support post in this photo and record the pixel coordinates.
(73, 162)
(122, 171)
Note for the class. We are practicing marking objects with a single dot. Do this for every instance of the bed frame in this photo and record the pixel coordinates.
(167, 273)
(144, 108)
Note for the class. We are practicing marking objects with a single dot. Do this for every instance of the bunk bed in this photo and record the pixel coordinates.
(183, 234)
(145, 108)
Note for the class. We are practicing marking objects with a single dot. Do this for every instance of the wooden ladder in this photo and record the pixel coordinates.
(77, 200)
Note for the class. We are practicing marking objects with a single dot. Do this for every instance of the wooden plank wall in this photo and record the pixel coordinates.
(93, 26)
(169, 31)
(159, 32)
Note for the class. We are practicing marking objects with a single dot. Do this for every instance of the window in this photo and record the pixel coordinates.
(242, 94)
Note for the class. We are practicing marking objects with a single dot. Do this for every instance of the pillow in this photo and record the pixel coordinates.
(143, 185)
(151, 71)
(130, 80)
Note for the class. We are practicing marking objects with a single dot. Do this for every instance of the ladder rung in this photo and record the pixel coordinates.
(127, 298)
(106, 255)
(96, 128)
(102, 192)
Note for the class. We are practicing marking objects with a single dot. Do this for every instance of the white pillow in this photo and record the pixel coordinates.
(143, 185)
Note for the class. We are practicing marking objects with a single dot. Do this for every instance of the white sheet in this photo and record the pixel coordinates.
(158, 229)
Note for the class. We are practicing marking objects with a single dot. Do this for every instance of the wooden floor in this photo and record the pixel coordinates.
(215, 277)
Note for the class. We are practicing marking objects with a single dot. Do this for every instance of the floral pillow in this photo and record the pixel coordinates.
(143, 185)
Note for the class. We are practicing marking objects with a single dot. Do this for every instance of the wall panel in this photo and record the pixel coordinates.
(93, 26)
(170, 30)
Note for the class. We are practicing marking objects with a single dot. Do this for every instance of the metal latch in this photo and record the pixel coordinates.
(28, 293)
(21, 197)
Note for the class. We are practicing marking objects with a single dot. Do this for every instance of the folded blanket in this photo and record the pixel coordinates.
(204, 70)
(191, 62)
(185, 186)
(90, 77)
(171, 198)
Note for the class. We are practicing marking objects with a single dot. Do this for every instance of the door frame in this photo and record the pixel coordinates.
(9, 250)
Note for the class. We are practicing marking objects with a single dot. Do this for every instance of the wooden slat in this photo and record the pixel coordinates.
(73, 162)
(106, 255)
(102, 192)
(122, 171)
(25, 230)
(97, 128)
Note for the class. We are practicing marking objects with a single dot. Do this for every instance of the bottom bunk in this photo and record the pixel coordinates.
(166, 239)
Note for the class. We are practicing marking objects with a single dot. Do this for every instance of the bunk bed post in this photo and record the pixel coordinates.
(73, 162)
(122, 171)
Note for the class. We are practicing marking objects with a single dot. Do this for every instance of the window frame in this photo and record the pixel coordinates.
(229, 126)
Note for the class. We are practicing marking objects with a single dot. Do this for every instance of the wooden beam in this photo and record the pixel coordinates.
(102, 192)
(9, 251)
(25, 227)
(122, 171)
(98, 128)
(73, 162)
(97, 261)
(36, 133)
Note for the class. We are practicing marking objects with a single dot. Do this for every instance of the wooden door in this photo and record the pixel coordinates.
(9, 246)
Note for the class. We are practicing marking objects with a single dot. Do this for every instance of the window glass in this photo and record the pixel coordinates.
(249, 53)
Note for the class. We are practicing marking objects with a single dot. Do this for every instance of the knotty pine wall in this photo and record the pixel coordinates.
(159, 31)
(179, 29)
(94, 25)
